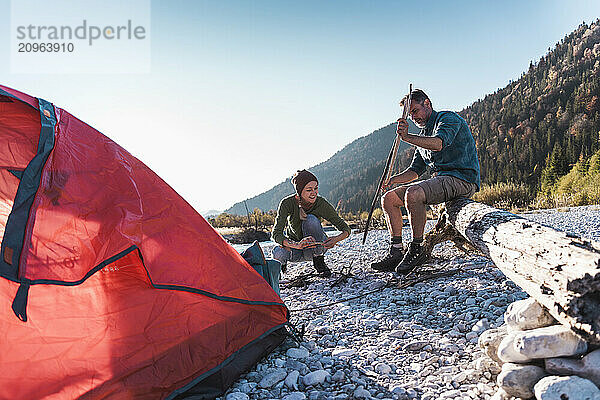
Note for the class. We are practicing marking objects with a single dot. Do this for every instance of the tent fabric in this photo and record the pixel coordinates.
(210, 387)
(111, 284)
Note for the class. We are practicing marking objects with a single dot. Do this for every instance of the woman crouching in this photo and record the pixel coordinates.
(298, 229)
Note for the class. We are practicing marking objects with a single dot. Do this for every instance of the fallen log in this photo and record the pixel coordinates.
(561, 271)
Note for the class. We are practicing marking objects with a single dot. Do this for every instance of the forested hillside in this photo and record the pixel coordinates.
(547, 120)
(531, 131)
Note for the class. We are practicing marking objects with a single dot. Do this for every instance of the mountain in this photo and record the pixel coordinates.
(348, 179)
(210, 213)
(535, 127)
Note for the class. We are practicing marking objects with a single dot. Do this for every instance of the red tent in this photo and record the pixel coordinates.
(111, 285)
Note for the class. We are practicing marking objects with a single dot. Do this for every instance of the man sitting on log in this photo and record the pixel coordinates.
(445, 145)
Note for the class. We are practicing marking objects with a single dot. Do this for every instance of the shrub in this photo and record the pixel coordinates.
(378, 216)
(503, 195)
(581, 186)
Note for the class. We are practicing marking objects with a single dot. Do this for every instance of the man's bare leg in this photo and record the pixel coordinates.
(391, 202)
(417, 210)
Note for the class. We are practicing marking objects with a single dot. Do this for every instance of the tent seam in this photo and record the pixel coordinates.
(154, 285)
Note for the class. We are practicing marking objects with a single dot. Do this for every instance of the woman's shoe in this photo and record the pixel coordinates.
(321, 267)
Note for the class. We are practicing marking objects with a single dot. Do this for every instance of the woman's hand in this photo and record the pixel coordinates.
(289, 244)
(332, 241)
(308, 241)
(329, 243)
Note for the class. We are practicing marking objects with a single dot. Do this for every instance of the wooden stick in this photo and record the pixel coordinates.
(387, 169)
(405, 113)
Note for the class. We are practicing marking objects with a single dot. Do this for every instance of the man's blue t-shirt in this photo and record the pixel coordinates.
(458, 156)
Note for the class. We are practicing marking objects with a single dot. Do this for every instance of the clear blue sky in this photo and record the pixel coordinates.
(243, 93)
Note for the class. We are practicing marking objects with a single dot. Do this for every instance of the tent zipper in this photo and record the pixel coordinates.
(19, 305)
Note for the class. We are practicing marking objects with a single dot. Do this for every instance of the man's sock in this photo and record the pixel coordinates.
(397, 241)
(418, 240)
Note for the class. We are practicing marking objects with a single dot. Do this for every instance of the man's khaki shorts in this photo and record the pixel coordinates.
(442, 188)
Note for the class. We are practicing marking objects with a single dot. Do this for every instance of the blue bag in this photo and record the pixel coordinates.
(269, 269)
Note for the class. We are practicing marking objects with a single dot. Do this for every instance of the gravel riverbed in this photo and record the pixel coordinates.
(419, 342)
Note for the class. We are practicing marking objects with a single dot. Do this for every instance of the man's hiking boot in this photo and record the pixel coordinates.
(321, 267)
(414, 257)
(389, 262)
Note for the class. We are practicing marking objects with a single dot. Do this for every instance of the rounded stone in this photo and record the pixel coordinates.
(549, 342)
(527, 314)
(588, 367)
(298, 353)
(414, 345)
(339, 376)
(566, 387)
(315, 377)
(291, 381)
(361, 393)
(237, 396)
(294, 396)
(272, 378)
(518, 380)
(507, 351)
(383, 368)
(342, 352)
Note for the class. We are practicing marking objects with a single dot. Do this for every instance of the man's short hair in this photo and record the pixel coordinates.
(417, 95)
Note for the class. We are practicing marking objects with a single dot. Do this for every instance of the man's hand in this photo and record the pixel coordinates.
(402, 128)
(386, 185)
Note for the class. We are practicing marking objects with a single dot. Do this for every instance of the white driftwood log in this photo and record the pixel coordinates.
(560, 271)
